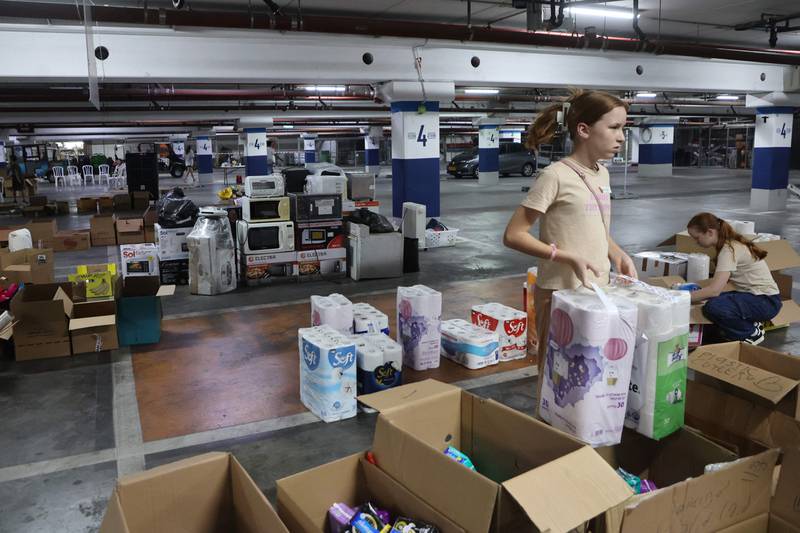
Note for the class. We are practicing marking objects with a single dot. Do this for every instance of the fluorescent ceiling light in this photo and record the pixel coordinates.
(601, 12)
(288, 126)
(727, 97)
(646, 95)
(325, 88)
(481, 91)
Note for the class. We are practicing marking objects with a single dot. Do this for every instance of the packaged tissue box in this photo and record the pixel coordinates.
(419, 311)
(334, 310)
(380, 362)
(511, 326)
(367, 319)
(327, 372)
(469, 345)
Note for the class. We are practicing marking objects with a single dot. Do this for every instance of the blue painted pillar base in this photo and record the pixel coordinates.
(655, 150)
(411, 182)
(205, 163)
(415, 155)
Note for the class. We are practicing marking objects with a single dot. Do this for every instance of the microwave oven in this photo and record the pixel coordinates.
(308, 208)
(264, 186)
(319, 235)
(264, 237)
(265, 209)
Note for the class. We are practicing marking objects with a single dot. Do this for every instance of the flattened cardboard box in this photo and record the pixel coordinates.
(304, 498)
(528, 473)
(42, 312)
(209, 492)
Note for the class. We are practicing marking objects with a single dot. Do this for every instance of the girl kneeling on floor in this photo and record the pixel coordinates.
(739, 314)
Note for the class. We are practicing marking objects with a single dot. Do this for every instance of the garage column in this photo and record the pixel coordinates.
(179, 149)
(772, 149)
(204, 160)
(634, 138)
(256, 160)
(372, 145)
(489, 151)
(655, 148)
(2, 154)
(310, 148)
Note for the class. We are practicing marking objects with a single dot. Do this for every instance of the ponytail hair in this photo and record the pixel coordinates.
(584, 107)
(703, 222)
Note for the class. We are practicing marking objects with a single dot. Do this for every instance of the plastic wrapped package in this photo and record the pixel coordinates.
(334, 310)
(469, 345)
(327, 372)
(419, 311)
(698, 267)
(212, 254)
(380, 362)
(511, 326)
(368, 319)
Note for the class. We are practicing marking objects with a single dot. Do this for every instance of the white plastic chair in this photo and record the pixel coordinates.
(103, 173)
(118, 180)
(72, 175)
(58, 173)
(88, 172)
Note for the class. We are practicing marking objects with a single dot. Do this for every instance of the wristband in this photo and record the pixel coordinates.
(553, 251)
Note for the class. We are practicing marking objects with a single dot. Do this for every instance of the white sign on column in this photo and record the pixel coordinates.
(488, 138)
(179, 148)
(773, 131)
(256, 143)
(420, 139)
(309, 145)
(204, 147)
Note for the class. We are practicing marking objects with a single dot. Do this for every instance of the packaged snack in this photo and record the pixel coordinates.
(459, 457)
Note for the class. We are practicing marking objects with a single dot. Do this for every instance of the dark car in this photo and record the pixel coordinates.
(514, 159)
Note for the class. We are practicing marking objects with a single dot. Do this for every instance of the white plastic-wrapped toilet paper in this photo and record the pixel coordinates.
(334, 310)
(380, 362)
(766, 237)
(745, 227)
(367, 319)
(698, 267)
(658, 377)
(511, 326)
(587, 369)
(327, 372)
(469, 345)
(419, 312)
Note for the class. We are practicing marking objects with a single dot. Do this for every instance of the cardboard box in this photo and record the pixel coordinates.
(139, 310)
(316, 264)
(209, 492)
(41, 264)
(93, 327)
(745, 394)
(174, 271)
(139, 260)
(528, 473)
(62, 207)
(42, 312)
(688, 499)
(259, 269)
(105, 204)
(150, 216)
(38, 201)
(70, 241)
(172, 243)
(99, 280)
(651, 264)
(780, 254)
(42, 232)
(141, 200)
(103, 230)
(149, 234)
(87, 205)
(122, 202)
(304, 498)
(130, 230)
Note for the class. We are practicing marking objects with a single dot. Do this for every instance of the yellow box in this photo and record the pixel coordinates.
(99, 279)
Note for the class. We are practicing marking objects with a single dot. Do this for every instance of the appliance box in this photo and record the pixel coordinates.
(320, 235)
(260, 269)
(264, 237)
(307, 208)
(264, 186)
(265, 209)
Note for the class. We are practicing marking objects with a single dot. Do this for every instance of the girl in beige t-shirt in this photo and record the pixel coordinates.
(739, 314)
(572, 200)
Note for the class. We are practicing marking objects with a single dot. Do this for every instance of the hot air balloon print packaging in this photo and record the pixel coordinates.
(587, 369)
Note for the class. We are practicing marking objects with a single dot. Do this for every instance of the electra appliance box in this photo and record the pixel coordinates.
(265, 237)
(265, 209)
(307, 208)
(264, 186)
(319, 235)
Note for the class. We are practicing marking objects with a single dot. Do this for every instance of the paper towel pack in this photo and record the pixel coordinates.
(657, 264)
(367, 319)
(511, 326)
(587, 369)
(334, 310)
(380, 362)
(469, 345)
(419, 311)
(327, 372)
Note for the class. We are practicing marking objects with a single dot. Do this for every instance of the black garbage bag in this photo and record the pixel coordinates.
(377, 223)
(176, 211)
(435, 225)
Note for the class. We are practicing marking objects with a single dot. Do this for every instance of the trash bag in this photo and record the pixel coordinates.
(176, 211)
(435, 225)
(377, 223)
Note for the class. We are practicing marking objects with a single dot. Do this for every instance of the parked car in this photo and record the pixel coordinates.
(514, 159)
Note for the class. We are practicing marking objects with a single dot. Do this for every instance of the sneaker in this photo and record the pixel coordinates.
(758, 335)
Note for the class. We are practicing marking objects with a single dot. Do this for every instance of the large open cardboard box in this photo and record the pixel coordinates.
(209, 493)
(42, 312)
(745, 395)
(780, 254)
(530, 476)
(93, 327)
(139, 310)
(304, 498)
(688, 499)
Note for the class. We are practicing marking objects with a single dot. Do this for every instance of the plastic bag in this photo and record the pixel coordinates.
(176, 211)
(377, 223)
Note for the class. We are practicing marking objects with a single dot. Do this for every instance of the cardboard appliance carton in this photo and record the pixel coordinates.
(105, 204)
(529, 475)
(122, 202)
(42, 313)
(33, 265)
(209, 492)
(304, 498)
(172, 243)
(139, 309)
(42, 232)
(93, 327)
(130, 230)
(140, 200)
(651, 264)
(139, 259)
(70, 241)
(87, 205)
(103, 231)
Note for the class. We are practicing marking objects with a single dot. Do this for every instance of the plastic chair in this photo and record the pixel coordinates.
(103, 173)
(88, 172)
(118, 180)
(58, 173)
(72, 175)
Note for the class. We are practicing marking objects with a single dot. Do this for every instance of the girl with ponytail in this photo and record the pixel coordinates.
(739, 314)
(572, 200)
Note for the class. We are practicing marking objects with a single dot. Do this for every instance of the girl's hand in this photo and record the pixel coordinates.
(623, 264)
(580, 266)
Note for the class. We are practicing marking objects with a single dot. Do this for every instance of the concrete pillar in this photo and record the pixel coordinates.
(179, 149)
(488, 152)
(256, 160)
(2, 154)
(772, 150)
(310, 148)
(655, 150)
(372, 145)
(204, 160)
(634, 138)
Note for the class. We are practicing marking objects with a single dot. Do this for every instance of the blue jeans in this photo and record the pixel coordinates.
(735, 313)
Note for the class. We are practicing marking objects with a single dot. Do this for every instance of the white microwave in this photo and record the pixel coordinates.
(264, 186)
(266, 209)
(265, 237)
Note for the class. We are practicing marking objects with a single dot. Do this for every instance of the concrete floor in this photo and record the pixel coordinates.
(68, 426)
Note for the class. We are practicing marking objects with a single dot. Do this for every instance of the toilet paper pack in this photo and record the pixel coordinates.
(327, 372)
(469, 345)
(333, 310)
(419, 311)
(380, 362)
(587, 368)
(698, 267)
(367, 319)
(511, 326)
